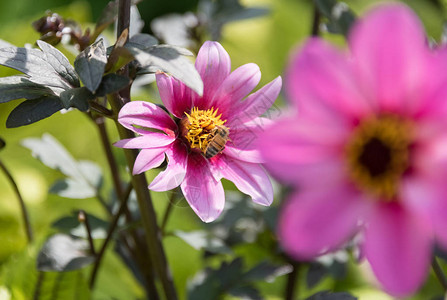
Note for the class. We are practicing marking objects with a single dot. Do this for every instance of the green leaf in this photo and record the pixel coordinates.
(118, 58)
(171, 60)
(266, 271)
(52, 154)
(211, 284)
(73, 188)
(245, 292)
(31, 111)
(90, 64)
(5, 44)
(62, 252)
(33, 63)
(112, 83)
(339, 15)
(16, 87)
(63, 285)
(91, 172)
(59, 63)
(78, 98)
(107, 17)
(84, 177)
(246, 13)
(2, 143)
(333, 264)
(202, 240)
(71, 225)
(326, 295)
(142, 41)
(315, 274)
(80, 187)
(136, 24)
(218, 13)
(20, 276)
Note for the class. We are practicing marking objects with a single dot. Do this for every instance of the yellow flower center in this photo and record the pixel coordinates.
(378, 155)
(201, 128)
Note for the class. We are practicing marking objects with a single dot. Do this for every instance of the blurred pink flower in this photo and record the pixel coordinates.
(367, 148)
(209, 138)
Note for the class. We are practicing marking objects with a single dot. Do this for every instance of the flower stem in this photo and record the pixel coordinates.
(149, 221)
(168, 211)
(25, 215)
(103, 111)
(38, 286)
(111, 230)
(316, 22)
(139, 182)
(123, 24)
(439, 273)
(99, 121)
(82, 217)
(291, 291)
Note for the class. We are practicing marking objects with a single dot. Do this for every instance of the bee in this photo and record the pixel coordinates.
(217, 139)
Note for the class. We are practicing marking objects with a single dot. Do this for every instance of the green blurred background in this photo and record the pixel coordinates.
(266, 41)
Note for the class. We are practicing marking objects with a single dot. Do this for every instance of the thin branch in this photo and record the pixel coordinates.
(316, 22)
(38, 288)
(167, 213)
(439, 273)
(291, 291)
(103, 111)
(123, 24)
(83, 218)
(57, 285)
(113, 225)
(109, 155)
(25, 215)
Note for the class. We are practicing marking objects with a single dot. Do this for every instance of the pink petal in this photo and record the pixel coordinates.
(242, 143)
(315, 221)
(204, 194)
(249, 178)
(423, 189)
(296, 144)
(256, 104)
(247, 155)
(148, 159)
(427, 197)
(175, 171)
(138, 114)
(321, 83)
(214, 65)
(391, 57)
(175, 96)
(430, 154)
(398, 247)
(435, 107)
(148, 140)
(235, 87)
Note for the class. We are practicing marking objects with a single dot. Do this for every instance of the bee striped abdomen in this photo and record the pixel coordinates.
(216, 141)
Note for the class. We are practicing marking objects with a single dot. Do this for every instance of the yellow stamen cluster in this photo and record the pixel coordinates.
(378, 155)
(199, 124)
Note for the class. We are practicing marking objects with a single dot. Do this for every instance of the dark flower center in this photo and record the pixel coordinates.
(375, 157)
(378, 155)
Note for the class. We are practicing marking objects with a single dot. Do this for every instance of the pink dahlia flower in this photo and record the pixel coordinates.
(367, 148)
(209, 137)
